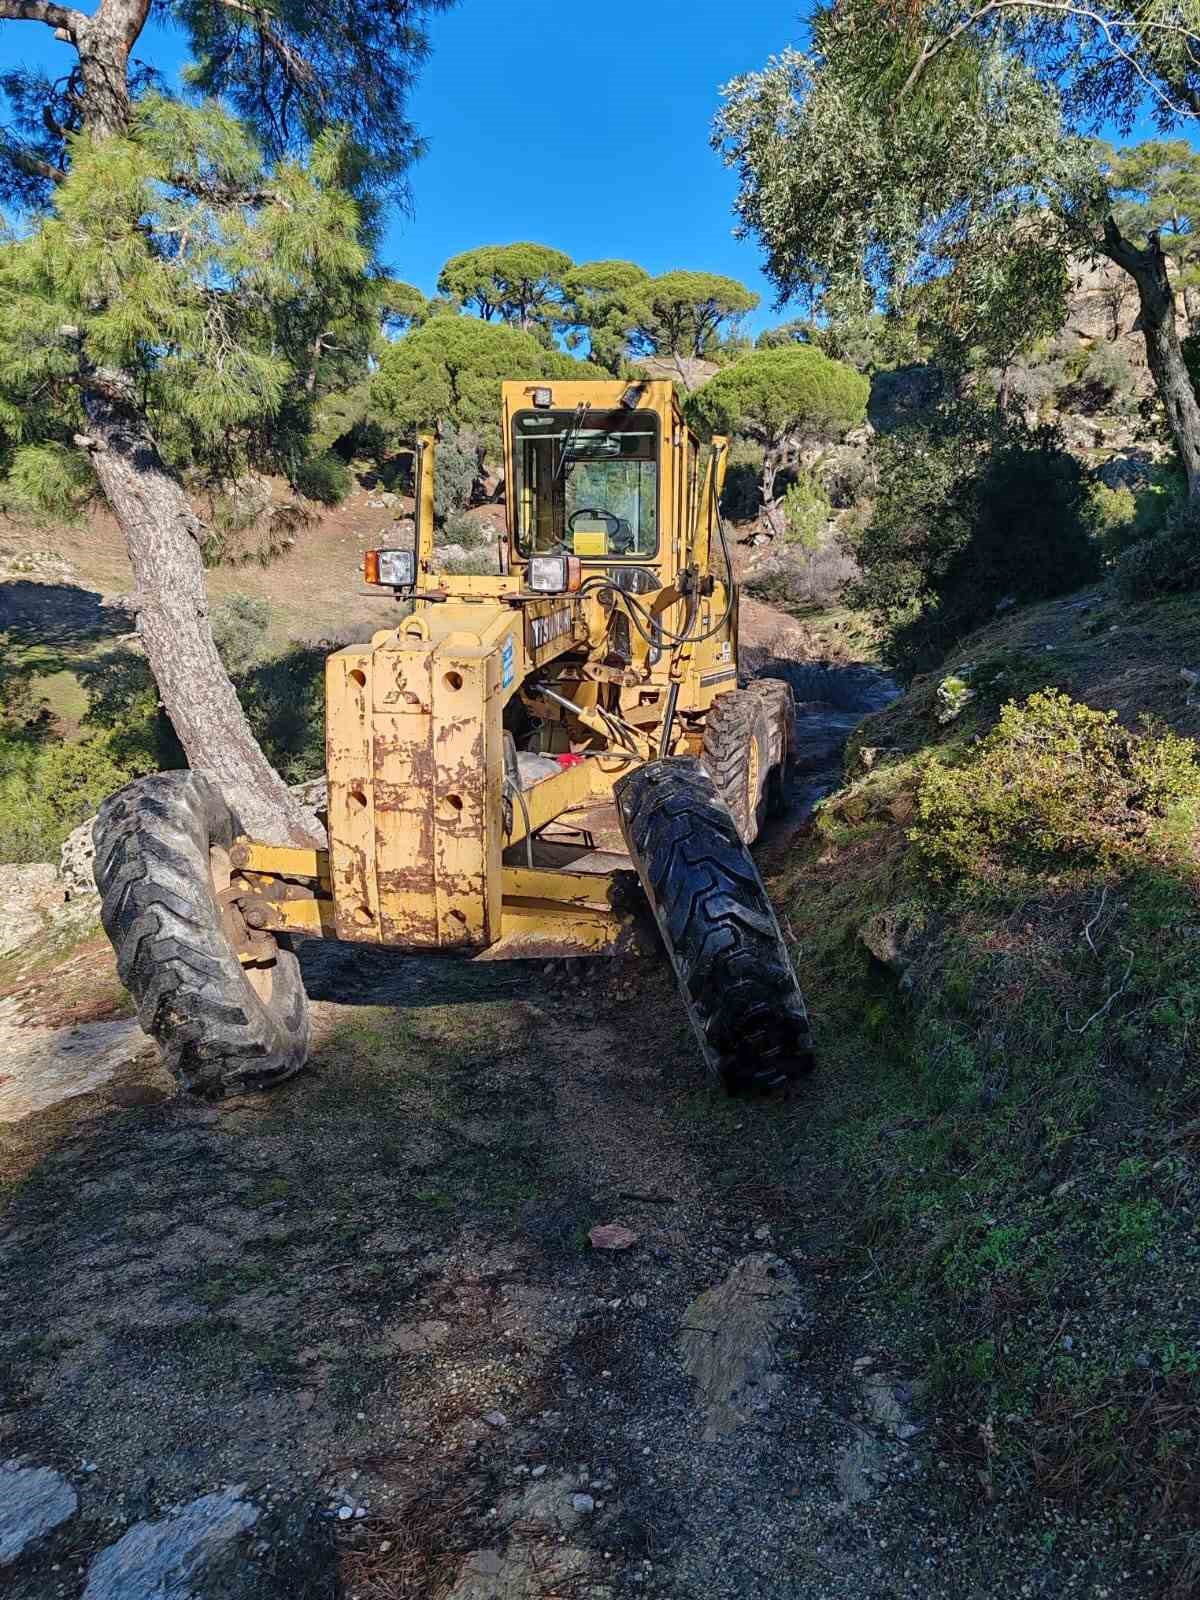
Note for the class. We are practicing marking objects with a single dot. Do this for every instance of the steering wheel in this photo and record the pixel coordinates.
(613, 524)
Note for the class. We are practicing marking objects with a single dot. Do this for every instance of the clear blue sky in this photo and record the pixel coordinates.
(582, 128)
(586, 128)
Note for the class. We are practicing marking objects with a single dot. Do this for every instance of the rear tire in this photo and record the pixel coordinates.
(736, 754)
(162, 844)
(718, 925)
(779, 708)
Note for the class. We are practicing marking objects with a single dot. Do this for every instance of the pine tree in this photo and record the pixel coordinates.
(193, 272)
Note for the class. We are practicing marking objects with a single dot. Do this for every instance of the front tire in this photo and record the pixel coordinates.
(162, 849)
(721, 933)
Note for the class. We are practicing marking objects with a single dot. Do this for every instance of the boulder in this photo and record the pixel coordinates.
(29, 893)
(33, 1502)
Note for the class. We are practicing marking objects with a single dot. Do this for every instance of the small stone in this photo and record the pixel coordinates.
(345, 1513)
(495, 1419)
(583, 1504)
(538, 1472)
(763, 1233)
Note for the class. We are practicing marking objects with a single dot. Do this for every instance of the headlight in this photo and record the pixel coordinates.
(393, 569)
(554, 574)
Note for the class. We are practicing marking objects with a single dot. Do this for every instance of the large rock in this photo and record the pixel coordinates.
(33, 1502)
(222, 1546)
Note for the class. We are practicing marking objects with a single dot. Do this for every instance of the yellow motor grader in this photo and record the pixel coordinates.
(501, 763)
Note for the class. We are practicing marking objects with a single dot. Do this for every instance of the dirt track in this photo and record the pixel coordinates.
(370, 1298)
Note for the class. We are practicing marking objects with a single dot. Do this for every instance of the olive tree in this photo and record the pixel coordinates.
(166, 301)
(776, 397)
(947, 145)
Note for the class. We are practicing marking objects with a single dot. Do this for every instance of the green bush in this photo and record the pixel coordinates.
(464, 530)
(325, 478)
(1054, 783)
(971, 509)
(49, 788)
(459, 453)
(239, 626)
(805, 512)
(1168, 562)
(742, 495)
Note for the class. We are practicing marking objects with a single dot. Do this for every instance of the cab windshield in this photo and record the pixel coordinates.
(587, 484)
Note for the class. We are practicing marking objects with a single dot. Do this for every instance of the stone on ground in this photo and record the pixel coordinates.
(728, 1341)
(220, 1547)
(33, 1502)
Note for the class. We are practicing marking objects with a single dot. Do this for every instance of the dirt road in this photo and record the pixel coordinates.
(367, 1306)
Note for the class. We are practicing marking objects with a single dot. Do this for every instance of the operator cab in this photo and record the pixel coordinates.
(587, 484)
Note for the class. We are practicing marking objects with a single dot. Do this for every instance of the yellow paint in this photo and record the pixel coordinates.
(415, 719)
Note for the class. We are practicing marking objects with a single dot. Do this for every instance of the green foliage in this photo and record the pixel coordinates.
(463, 530)
(459, 454)
(805, 512)
(742, 495)
(451, 368)
(1167, 562)
(774, 394)
(599, 298)
(971, 509)
(1053, 783)
(1112, 512)
(120, 275)
(1156, 186)
(517, 283)
(684, 313)
(858, 189)
(48, 787)
(324, 477)
(239, 626)
(50, 482)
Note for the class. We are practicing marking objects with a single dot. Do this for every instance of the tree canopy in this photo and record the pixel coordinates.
(774, 396)
(192, 269)
(937, 154)
(517, 283)
(450, 370)
(598, 304)
(684, 313)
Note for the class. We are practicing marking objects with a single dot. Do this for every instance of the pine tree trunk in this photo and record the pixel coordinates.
(1156, 322)
(162, 534)
(160, 529)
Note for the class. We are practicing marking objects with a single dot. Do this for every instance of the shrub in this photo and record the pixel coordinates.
(239, 626)
(1168, 562)
(466, 531)
(1055, 782)
(459, 454)
(742, 496)
(971, 509)
(805, 512)
(49, 788)
(325, 478)
(801, 581)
